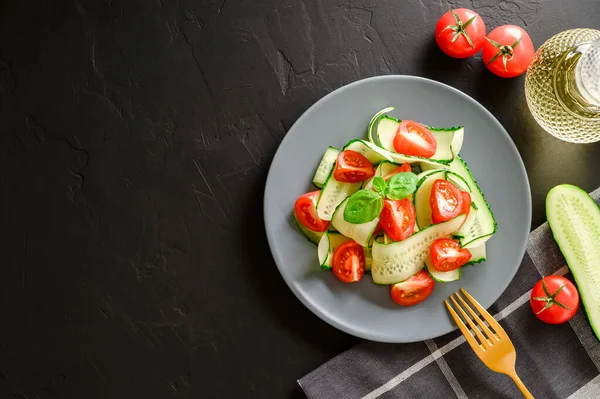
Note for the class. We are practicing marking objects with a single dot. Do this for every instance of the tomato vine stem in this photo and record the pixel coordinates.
(460, 28)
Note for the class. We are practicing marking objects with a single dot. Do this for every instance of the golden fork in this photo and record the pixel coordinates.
(493, 348)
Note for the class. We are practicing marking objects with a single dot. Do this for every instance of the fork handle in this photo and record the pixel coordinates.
(520, 385)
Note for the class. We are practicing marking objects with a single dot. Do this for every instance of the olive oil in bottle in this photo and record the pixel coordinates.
(562, 85)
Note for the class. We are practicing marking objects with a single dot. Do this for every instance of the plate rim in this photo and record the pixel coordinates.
(270, 238)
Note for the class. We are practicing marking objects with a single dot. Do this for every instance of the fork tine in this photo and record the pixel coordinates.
(491, 321)
(480, 322)
(465, 331)
(483, 341)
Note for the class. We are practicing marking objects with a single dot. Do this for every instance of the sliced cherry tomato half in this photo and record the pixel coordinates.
(349, 262)
(306, 212)
(398, 218)
(466, 197)
(414, 290)
(404, 168)
(412, 138)
(554, 299)
(446, 255)
(378, 229)
(352, 167)
(446, 201)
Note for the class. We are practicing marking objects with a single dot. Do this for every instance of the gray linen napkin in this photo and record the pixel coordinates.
(554, 361)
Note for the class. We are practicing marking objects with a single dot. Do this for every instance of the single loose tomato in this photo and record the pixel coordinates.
(352, 167)
(414, 290)
(466, 197)
(508, 51)
(306, 212)
(446, 201)
(460, 33)
(412, 138)
(398, 218)
(348, 262)
(554, 299)
(446, 255)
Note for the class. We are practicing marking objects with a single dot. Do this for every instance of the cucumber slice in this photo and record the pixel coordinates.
(400, 158)
(442, 277)
(449, 141)
(395, 262)
(361, 233)
(423, 194)
(374, 123)
(473, 233)
(373, 153)
(325, 166)
(332, 194)
(478, 255)
(329, 242)
(376, 154)
(480, 224)
(574, 219)
(457, 140)
(426, 167)
(386, 132)
(323, 252)
(458, 181)
(313, 236)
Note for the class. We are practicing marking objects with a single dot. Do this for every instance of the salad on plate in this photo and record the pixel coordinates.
(401, 206)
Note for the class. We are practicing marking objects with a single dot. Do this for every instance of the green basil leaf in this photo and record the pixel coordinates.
(379, 184)
(363, 206)
(401, 185)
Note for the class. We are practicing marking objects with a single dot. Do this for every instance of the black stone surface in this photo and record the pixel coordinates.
(135, 140)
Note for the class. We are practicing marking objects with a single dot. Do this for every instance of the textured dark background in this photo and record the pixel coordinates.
(135, 142)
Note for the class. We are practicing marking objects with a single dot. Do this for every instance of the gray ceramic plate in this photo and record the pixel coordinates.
(365, 309)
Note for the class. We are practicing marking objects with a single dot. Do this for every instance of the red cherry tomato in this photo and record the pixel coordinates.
(508, 51)
(404, 168)
(378, 229)
(554, 299)
(446, 201)
(348, 262)
(412, 138)
(466, 197)
(398, 218)
(352, 167)
(306, 212)
(446, 255)
(460, 33)
(414, 290)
